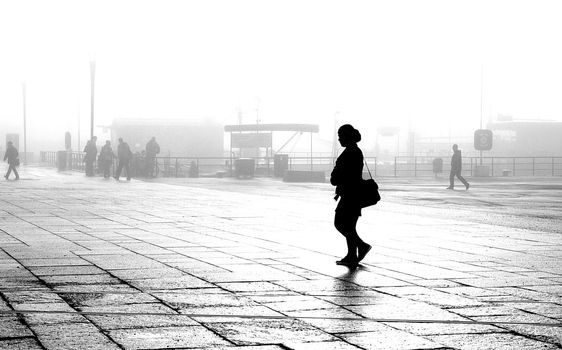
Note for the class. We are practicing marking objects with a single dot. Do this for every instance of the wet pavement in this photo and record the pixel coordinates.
(87, 263)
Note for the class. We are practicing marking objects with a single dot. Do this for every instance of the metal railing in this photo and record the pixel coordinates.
(496, 166)
(401, 166)
(74, 161)
(225, 166)
(48, 158)
(206, 166)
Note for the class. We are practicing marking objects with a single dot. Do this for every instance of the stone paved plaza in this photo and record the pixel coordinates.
(87, 263)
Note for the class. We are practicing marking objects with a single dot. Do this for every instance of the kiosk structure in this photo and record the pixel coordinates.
(250, 139)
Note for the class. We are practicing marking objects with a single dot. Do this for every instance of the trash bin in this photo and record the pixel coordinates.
(244, 167)
(61, 160)
(280, 164)
(437, 166)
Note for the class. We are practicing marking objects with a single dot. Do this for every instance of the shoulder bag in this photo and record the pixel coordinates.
(369, 191)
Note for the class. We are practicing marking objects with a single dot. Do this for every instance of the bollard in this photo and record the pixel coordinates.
(61, 160)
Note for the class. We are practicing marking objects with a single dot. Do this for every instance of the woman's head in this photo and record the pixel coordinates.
(348, 135)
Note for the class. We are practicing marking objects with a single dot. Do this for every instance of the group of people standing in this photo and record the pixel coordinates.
(124, 157)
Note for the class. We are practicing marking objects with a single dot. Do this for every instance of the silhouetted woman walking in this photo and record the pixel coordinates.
(347, 176)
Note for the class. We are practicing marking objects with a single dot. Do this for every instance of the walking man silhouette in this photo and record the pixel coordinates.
(11, 156)
(152, 149)
(125, 155)
(347, 177)
(456, 168)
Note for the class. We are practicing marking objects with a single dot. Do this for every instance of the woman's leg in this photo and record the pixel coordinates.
(346, 223)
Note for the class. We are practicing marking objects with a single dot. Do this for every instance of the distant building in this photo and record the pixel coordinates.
(526, 138)
(177, 138)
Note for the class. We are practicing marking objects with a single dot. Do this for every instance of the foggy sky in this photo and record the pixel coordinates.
(416, 64)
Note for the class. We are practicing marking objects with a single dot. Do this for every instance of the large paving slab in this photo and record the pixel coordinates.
(87, 263)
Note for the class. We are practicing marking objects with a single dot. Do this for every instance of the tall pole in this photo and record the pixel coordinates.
(481, 92)
(481, 100)
(92, 84)
(335, 139)
(311, 158)
(24, 95)
(257, 126)
(78, 131)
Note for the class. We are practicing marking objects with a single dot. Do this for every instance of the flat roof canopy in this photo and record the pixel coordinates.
(272, 127)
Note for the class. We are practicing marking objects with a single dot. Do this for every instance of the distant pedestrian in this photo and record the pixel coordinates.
(124, 155)
(12, 156)
(106, 159)
(91, 151)
(456, 168)
(152, 149)
(138, 164)
(347, 177)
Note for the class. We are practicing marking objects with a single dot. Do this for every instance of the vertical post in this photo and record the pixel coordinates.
(24, 95)
(533, 166)
(78, 131)
(92, 85)
(513, 166)
(267, 160)
(176, 167)
(415, 166)
(492, 166)
(230, 165)
(311, 166)
(394, 166)
(481, 104)
(552, 166)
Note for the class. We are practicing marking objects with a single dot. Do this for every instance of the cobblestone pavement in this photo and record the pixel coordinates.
(87, 263)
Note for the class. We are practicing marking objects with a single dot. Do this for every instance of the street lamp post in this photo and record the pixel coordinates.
(24, 95)
(92, 83)
(481, 101)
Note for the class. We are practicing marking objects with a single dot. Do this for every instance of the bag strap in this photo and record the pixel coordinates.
(371, 176)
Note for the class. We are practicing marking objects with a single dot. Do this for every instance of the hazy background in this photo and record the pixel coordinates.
(413, 64)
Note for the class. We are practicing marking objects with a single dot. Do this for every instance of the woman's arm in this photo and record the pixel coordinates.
(335, 177)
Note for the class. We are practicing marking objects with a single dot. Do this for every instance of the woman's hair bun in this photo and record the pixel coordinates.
(350, 131)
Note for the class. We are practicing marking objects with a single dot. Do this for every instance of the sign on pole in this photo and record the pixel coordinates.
(483, 139)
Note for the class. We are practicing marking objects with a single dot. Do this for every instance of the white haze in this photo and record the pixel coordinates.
(414, 64)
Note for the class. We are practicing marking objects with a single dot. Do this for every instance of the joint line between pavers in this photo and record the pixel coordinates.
(368, 319)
